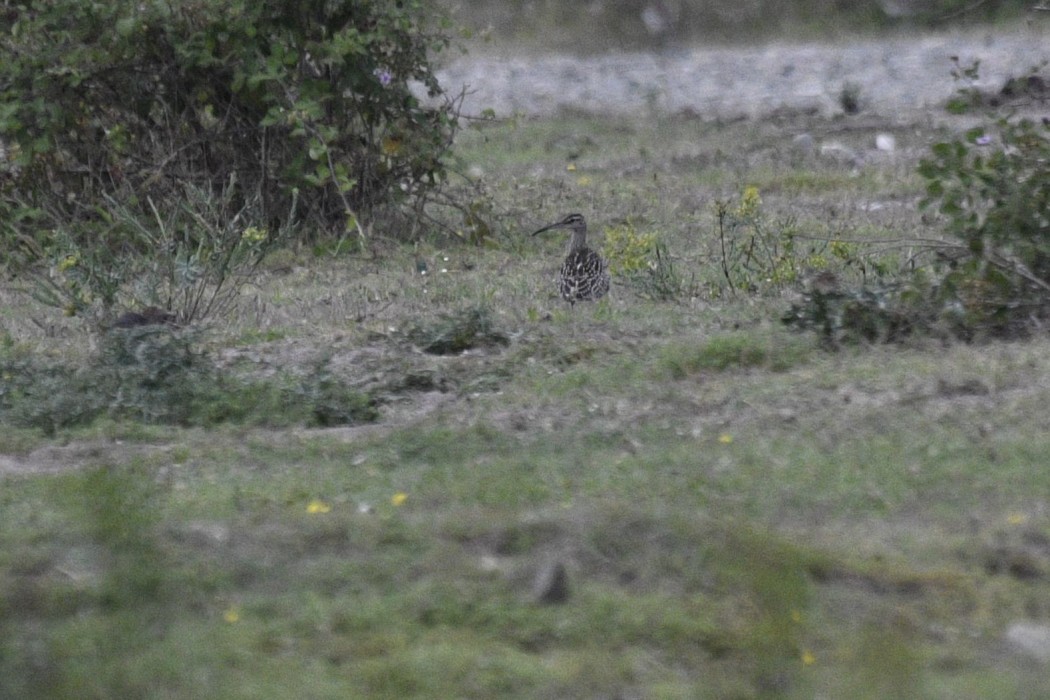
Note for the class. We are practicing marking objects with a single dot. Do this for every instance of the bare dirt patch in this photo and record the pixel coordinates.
(896, 77)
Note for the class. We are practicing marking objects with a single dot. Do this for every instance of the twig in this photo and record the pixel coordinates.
(1005, 262)
(722, 212)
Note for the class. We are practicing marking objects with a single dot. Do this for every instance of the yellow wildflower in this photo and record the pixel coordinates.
(254, 234)
(749, 202)
(399, 498)
(1016, 518)
(627, 250)
(232, 614)
(67, 262)
(808, 659)
(314, 507)
(391, 146)
(725, 439)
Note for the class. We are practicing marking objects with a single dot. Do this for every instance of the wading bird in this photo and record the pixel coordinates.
(584, 275)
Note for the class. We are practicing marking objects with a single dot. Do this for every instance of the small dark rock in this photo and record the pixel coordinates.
(552, 584)
(1013, 562)
(150, 316)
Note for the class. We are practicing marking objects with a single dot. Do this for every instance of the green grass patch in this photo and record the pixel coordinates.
(741, 350)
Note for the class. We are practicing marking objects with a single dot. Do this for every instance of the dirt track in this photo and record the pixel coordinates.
(897, 76)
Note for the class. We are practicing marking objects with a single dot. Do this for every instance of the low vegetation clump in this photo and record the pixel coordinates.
(159, 375)
(759, 255)
(643, 261)
(465, 329)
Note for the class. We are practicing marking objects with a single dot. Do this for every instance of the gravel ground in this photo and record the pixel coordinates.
(899, 75)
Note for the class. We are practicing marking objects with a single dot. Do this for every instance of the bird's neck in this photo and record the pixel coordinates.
(578, 240)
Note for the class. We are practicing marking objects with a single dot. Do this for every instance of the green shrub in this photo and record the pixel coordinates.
(991, 278)
(46, 396)
(251, 104)
(331, 402)
(153, 373)
(992, 187)
(873, 314)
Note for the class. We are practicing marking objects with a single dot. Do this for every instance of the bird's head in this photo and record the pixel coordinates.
(573, 222)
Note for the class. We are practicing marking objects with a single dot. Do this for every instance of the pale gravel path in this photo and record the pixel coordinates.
(902, 76)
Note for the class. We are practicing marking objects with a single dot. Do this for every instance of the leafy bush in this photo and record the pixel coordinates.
(153, 373)
(991, 186)
(627, 250)
(44, 396)
(879, 313)
(139, 100)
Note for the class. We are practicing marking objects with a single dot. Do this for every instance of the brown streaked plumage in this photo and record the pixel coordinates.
(584, 275)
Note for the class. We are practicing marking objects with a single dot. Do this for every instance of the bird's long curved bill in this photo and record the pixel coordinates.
(548, 228)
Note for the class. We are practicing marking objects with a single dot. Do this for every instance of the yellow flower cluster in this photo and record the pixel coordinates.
(750, 202)
(627, 250)
(68, 262)
(317, 507)
(254, 234)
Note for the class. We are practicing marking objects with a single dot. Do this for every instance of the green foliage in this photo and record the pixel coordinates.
(332, 402)
(249, 103)
(757, 255)
(991, 187)
(642, 261)
(45, 396)
(190, 261)
(627, 250)
(154, 373)
(873, 313)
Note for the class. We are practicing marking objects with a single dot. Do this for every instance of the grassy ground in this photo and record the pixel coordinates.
(738, 512)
